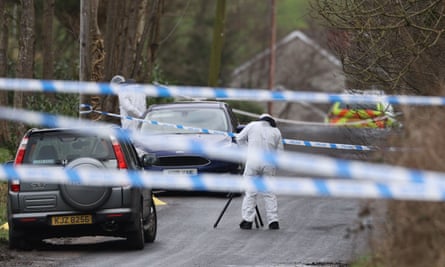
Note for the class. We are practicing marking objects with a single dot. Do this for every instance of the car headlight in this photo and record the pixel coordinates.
(149, 159)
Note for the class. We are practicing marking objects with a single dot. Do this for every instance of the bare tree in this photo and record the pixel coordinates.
(387, 43)
(399, 46)
(126, 28)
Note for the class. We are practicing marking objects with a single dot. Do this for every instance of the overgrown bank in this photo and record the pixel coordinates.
(414, 232)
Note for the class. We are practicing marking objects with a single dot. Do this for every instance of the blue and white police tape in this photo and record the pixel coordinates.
(313, 165)
(421, 191)
(211, 92)
(328, 145)
(88, 109)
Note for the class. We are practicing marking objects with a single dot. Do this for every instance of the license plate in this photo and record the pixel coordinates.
(71, 220)
(181, 171)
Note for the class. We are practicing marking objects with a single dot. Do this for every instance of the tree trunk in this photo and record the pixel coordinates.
(217, 43)
(150, 32)
(47, 36)
(84, 52)
(47, 40)
(153, 41)
(126, 36)
(25, 65)
(114, 33)
(119, 47)
(114, 29)
(4, 125)
(97, 55)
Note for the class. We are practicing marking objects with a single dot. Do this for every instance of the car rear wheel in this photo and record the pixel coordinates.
(17, 240)
(151, 222)
(81, 197)
(135, 238)
(23, 240)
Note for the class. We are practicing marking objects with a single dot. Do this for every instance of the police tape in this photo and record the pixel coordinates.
(328, 145)
(421, 191)
(156, 90)
(295, 162)
(89, 109)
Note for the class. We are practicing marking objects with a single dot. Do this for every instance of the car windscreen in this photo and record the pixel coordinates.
(203, 118)
(57, 147)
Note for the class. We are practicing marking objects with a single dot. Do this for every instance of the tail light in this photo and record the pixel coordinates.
(21, 151)
(121, 164)
(15, 186)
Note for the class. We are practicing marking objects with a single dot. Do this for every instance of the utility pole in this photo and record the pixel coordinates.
(272, 52)
(217, 43)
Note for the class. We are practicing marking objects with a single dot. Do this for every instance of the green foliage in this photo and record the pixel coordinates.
(364, 262)
(7, 152)
(57, 104)
(5, 156)
(159, 100)
(54, 104)
(291, 15)
(66, 70)
(186, 46)
(3, 214)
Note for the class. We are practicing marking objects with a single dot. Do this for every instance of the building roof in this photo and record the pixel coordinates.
(291, 37)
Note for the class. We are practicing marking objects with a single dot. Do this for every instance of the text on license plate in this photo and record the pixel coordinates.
(181, 171)
(71, 219)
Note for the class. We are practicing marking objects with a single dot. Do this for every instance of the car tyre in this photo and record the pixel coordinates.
(24, 241)
(17, 240)
(135, 238)
(151, 222)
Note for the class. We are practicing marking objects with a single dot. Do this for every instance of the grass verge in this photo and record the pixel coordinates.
(5, 156)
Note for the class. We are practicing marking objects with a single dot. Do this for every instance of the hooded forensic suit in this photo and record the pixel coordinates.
(264, 136)
(131, 102)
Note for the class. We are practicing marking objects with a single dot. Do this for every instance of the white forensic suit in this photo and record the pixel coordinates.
(133, 104)
(259, 135)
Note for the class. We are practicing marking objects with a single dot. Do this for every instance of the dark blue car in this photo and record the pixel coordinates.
(193, 115)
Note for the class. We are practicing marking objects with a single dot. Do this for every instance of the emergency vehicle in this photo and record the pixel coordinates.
(374, 115)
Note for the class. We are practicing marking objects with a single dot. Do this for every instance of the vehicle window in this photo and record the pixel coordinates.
(213, 119)
(55, 147)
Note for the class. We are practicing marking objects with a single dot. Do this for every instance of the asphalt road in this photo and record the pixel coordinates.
(314, 231)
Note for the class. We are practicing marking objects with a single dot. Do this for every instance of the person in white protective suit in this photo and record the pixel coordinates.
(261, 135)
(131, 103)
